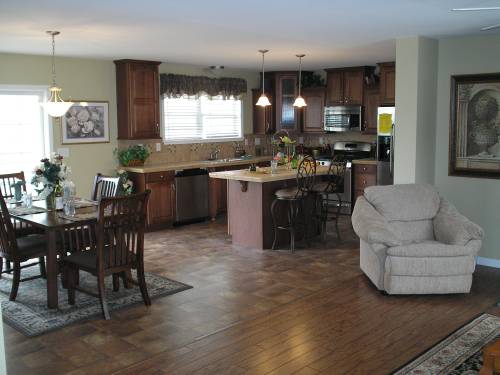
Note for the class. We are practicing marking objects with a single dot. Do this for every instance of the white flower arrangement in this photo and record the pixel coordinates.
(49, 175)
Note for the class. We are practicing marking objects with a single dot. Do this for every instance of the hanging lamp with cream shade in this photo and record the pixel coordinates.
(263, 99)
(55, 106)
(299, 100)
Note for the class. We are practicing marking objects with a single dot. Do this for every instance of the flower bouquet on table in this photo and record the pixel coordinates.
(48, 178)
(288, 145)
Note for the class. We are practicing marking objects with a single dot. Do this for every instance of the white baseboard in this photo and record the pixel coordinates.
(490, 262)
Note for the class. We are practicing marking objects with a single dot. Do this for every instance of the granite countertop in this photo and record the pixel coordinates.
(162, 167)
(262, 175)
(369, 161)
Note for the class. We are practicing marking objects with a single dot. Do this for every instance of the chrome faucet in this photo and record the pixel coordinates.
(214, 154)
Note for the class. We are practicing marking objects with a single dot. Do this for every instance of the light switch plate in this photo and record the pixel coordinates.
(321, 140)
(301, 140)
(63, 151)
(246, 141)
(158, 147)
(257, 141)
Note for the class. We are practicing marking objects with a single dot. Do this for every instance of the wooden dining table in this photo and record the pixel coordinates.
(52, 222)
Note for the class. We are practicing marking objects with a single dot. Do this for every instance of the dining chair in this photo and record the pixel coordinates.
(119, 248)
(104, 187)
(294, 197)
(327, 208)
(18, 250)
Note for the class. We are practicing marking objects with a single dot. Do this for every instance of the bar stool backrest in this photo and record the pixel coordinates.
(336, 176)
(306, 173)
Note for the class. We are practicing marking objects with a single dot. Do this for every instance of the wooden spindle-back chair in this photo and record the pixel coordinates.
(6, 180)
(105, 187)
(119, 247)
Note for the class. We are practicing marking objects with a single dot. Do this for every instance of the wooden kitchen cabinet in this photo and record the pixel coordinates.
(161, 205)
(313, 113)
(263, 122)
(371, 102)
(387, 83)
(138, 99)
(364, 175)
(345, 86)
(286, 90)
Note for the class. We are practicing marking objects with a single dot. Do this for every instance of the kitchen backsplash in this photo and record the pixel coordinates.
(200, 151)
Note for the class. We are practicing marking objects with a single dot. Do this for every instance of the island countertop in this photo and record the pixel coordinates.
(262, 175)
(161, 167)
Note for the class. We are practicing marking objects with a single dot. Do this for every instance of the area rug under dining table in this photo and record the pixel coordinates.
(29, 313)
(460, 353)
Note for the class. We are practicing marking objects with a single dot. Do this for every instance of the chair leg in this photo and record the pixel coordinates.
(116, 282)
(142, 284)
(15, 281)
(275, 225)
(70, 283)
(337, 217)
(1, 267)
(291, 221)
(8, 266)
(127, 277)
(102, 297)
(41, 263)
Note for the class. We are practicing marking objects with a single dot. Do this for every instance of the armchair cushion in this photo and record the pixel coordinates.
(434, 249)
(372, 227)
(404, 202)
(451, 227)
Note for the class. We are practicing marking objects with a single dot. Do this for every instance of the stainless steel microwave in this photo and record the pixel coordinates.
(343, 118)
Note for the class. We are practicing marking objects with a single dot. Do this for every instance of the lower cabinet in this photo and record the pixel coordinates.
(364, 175)
(161, 206)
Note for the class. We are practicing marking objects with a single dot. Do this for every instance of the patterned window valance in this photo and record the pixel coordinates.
(177, 85)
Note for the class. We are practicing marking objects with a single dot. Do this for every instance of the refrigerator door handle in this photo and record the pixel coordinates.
(391, 153)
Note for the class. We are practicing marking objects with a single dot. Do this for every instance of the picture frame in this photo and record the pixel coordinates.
(86, 122)
(474, 149)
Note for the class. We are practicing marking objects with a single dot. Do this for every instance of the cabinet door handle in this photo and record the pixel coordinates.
(364, 182)
(173, 187)
(157, 128)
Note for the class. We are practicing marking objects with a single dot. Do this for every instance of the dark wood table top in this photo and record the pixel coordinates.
(53, 219)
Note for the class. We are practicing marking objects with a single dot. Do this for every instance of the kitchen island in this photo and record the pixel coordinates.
(249, 198)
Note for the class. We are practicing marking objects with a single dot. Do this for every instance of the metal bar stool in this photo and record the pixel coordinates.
(294, 198)
(323, 191)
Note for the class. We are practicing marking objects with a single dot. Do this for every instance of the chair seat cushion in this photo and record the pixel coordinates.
(88, 259)
(31, 246)
(431, 249)
(288, 193)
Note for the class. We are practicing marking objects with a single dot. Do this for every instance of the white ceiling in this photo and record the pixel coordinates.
(229, 32)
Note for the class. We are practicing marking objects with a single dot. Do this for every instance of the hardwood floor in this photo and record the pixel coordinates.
(255, 312)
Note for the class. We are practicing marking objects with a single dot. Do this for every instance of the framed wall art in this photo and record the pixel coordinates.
(475, 126)
(86, 122)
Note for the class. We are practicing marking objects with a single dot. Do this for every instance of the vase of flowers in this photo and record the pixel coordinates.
(286, 143)
(48, 178)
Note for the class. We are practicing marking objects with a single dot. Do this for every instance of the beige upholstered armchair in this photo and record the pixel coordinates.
(412, 241)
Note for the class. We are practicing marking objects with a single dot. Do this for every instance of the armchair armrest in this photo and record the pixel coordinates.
(371, 226)
(452, 228)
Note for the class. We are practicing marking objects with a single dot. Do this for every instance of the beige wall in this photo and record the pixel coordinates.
(477, 198)
(80, 79)
(416, 61)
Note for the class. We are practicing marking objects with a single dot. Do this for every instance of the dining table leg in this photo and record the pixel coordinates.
(52, 302)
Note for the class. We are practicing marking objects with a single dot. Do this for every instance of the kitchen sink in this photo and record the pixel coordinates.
(226, 160)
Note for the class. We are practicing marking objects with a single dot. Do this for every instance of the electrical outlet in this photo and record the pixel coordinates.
(246, 141)
(257, 141)
(158, 147)
(321, 140)
(301, 140)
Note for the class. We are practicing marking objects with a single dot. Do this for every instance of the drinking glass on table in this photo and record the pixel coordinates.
(27, 200)
(69, 207)
(274, 166)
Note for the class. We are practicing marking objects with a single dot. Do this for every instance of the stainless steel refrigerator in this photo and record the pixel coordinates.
(386, 120)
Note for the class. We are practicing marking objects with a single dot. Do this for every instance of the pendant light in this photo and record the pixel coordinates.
(263, 100)
(55, 106)
(299, 101)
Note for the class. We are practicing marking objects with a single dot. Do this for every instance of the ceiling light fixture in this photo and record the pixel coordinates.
(55, 106)
(299, 101)
(263, 100)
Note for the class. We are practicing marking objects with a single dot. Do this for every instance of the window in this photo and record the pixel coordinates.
(189, 119)
(24, 136)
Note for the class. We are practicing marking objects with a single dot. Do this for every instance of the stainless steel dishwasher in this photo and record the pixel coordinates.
(191, 200)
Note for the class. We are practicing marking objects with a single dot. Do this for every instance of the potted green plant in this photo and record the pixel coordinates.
(133, 156)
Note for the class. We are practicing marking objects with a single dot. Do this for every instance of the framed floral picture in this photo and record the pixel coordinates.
(86, 122)
(475, 126)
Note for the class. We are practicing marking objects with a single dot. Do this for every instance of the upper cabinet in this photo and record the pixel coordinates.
(371, 102)
(387, 83)
(286, 90)
(313, 112)
(263, 122)
(345, 85)
(138, 99)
